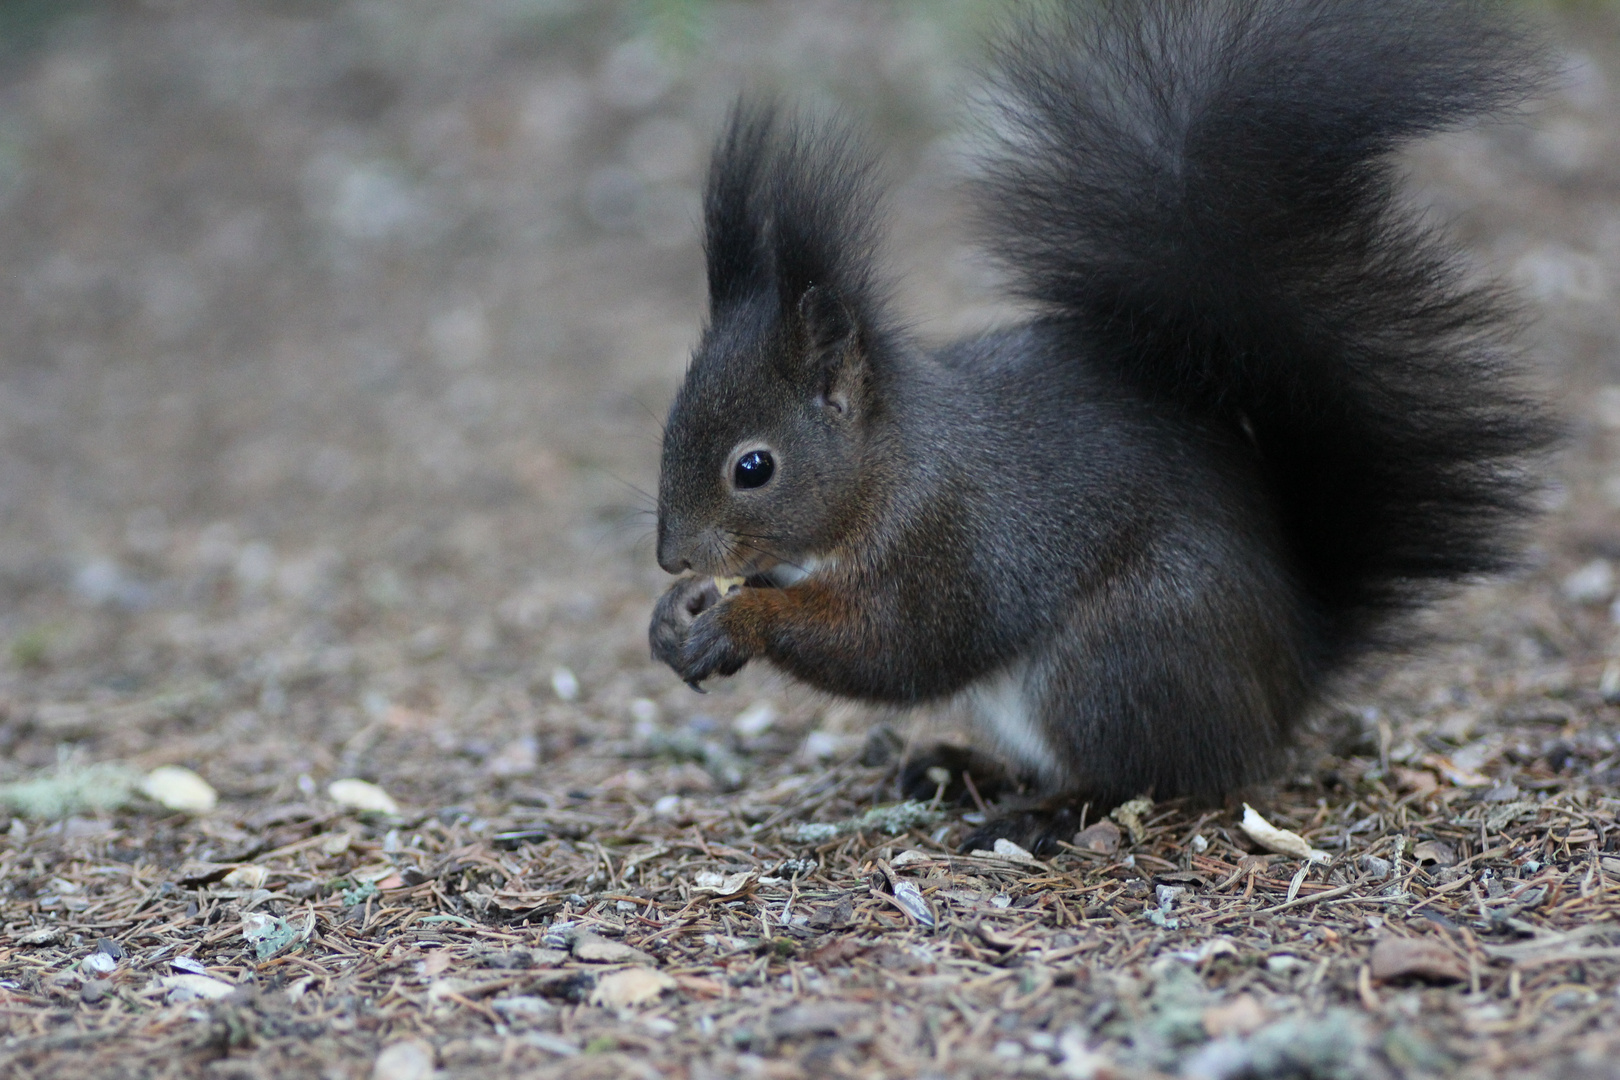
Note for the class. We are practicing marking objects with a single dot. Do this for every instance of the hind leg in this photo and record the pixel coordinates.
(1157, 691)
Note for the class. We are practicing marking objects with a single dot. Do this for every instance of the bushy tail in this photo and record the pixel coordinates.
(1203, 192)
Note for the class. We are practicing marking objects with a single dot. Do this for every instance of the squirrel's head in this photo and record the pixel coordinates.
(765, 445)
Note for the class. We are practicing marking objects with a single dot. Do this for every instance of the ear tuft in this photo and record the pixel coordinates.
(734, 247)
(791, 205)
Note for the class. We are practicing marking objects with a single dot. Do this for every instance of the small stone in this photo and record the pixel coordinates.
(710, 881)
(755, 720)
(98, 963)
(1378, 868)
(632, 986)
(183, 988)
(179, 789)
(94, 990)
(1423, 959)
(1009, 850)
(363, 796)
(565, 684)
(1283, 963)
(822, 745)
(411, 1059)
(598, 950)
(1591, 584)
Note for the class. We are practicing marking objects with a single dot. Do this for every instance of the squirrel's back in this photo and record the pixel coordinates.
(1202, 197)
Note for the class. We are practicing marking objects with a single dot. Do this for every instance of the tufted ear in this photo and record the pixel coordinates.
(734, 245)
(791, 224)
(830, 348)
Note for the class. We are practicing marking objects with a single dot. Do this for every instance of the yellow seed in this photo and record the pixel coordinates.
(726, 584)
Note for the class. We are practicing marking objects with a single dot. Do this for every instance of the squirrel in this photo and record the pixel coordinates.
(1260, 410)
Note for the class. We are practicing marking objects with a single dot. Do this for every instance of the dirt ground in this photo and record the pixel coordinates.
(334, 336)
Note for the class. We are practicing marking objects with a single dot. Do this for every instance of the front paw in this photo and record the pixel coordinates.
(709, 650)
(674, 615)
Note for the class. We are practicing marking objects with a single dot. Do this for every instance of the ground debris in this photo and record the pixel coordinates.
(330, 331)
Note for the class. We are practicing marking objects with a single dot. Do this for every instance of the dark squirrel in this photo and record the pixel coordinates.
(1259, 413)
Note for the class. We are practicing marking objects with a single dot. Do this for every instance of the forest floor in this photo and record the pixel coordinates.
(333, 342)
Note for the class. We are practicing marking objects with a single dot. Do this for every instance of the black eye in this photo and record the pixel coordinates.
(754, 469)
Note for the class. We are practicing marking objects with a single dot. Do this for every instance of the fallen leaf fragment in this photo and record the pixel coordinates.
(363, 796)
(245, 877)
(632, 986)
(194, 988)
(710, 881)
(1415, 958)
(179, 789)
(1282, 841)
(1456, 774)
(411, 1059)
(1436, 851)
(1131, 814)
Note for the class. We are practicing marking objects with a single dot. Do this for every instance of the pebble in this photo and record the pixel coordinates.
(408, 1060)
(362, 796)
(1591, 584)
(178, 788)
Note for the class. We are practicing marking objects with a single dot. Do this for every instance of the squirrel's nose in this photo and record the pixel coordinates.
(669, 556)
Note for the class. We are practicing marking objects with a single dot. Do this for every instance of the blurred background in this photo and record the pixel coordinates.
(335, 334)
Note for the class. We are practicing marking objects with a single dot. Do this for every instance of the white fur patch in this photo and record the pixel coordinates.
(1003, 711)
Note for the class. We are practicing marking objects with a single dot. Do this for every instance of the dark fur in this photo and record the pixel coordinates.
(1259, 411)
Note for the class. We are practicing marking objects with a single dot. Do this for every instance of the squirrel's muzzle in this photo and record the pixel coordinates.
(669, 550)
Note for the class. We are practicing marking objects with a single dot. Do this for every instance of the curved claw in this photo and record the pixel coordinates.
(709, 650)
